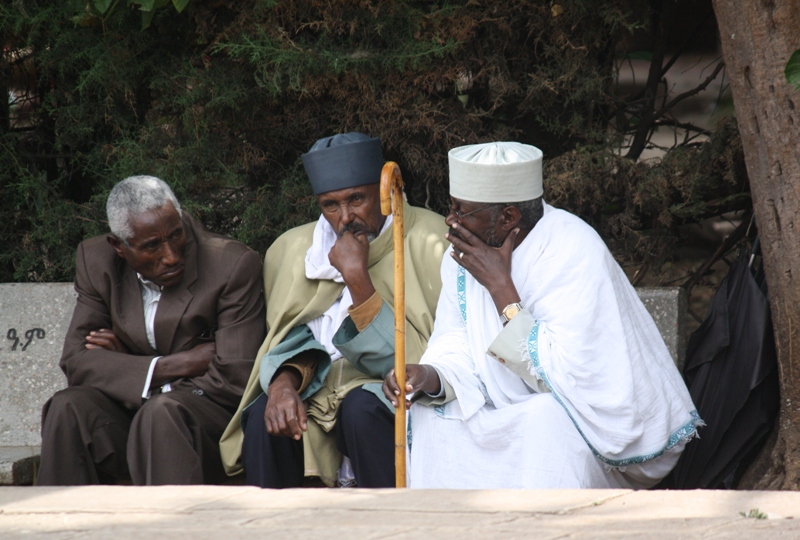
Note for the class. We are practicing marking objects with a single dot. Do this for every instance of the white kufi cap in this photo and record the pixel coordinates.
(496, 172)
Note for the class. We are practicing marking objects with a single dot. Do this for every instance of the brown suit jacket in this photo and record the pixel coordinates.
(220, 299)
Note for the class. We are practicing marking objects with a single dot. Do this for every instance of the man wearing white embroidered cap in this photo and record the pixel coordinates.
(544, 369)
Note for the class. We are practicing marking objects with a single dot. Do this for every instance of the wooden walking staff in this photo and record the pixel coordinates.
(392, 203)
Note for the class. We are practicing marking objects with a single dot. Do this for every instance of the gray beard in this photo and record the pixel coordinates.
(355, 228)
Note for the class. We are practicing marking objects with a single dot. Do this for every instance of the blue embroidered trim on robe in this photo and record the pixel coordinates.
(688, 430)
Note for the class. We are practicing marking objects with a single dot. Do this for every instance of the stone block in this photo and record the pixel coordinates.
(34, 318)
(667, 306)
(18, 465)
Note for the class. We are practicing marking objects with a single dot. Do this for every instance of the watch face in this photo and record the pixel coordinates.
(510, 311)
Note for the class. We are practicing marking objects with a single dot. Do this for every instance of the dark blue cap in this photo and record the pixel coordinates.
(342, 161)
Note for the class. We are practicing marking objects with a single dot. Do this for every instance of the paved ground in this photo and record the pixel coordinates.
(232, 512)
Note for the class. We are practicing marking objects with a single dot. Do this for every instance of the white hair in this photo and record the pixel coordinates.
(133, 196)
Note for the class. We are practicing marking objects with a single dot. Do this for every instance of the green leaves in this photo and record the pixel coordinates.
(102, 5)
(792, 70)
(180, 4)
(147, 7)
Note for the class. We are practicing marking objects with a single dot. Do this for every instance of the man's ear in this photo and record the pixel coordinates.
(509, 217)
(117, 244)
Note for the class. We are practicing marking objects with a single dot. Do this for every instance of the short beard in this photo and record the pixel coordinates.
(357, 228)
(491, 234)
(492, 240)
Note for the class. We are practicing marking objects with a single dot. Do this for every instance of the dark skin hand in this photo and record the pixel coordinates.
(285, 414)
(421, 378)
(349, 255)
(191, 363)
(490, 266)
(105, 339)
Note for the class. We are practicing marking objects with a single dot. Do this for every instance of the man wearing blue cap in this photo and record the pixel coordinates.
(314, 405)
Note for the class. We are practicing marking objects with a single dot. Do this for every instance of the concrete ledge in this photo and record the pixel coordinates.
(34, 318)
(667, 306)
(245, 512)
(18, 465)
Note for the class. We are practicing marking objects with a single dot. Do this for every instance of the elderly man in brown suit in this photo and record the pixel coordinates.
(168, 320)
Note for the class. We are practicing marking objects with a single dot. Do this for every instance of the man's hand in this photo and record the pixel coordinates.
(285, 414)
(490, 266)
(418, 377)
(105, 339)
(349, 255)
(191, 363)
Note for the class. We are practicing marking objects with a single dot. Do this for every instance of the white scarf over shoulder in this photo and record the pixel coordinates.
(318, 266)
(593, 344)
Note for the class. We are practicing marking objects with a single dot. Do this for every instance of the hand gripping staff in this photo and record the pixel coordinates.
(392, 203)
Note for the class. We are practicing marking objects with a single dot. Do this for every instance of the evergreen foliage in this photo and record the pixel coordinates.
(222, 98)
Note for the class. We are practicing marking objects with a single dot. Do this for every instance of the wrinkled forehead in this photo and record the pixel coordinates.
(338, 195)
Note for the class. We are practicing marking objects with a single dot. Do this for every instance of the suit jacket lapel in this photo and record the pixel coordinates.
(130, 310)
(175, 300)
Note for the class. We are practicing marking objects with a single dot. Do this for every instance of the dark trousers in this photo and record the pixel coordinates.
(364, 433)
(88, 438)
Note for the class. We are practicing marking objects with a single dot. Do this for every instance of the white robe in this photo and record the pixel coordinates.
(603, 406)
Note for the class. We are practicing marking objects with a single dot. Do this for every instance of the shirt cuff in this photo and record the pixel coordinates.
(149, 380)
(441, 386)
(446, 394)
(507, 350)
(364, 314)
(305, 366)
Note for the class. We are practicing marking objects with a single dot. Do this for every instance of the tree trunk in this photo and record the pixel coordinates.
(758, 37)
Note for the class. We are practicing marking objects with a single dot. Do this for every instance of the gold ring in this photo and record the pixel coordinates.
(461, 256)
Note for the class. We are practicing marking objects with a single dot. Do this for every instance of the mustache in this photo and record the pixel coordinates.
(356, 228)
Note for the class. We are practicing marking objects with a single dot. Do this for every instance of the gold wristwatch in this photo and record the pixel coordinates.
(510, 311)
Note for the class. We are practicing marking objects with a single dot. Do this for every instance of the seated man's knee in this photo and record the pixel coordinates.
(71, 399)
(160, 412)
(161, 416)
(361, 407)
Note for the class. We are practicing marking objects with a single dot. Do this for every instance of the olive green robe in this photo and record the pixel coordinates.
(293, 299)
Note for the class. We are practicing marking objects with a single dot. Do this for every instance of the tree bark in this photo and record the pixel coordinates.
(758, 37)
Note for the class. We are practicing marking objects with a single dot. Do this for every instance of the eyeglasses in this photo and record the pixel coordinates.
(461, 216)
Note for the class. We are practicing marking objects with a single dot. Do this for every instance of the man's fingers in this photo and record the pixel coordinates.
(99, 343)
(294, 424)
(302, 417)
(106, 339)
(391, 379)
(415, 378)
(390, 388)
(464, 233)
(389, 393)
(508, 243)
(458, 243)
